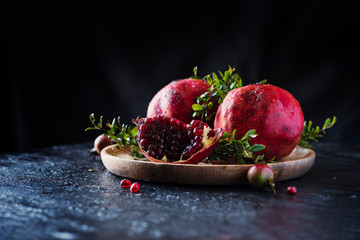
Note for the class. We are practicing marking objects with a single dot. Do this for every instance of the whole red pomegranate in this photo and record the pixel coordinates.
(272, 111)
(175, 100)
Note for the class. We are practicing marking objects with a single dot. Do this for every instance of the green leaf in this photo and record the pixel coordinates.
(327, 123)
(225, 135)
(197, 107)
(113, 123)
(312, 133)
(263, 81)
(226, 76)
(196, 114)
(92, 117)
(100, 123)
(257, 147)
(90, 128)
(247, 154)
(215, 77)
(250, 133)
(195, 71)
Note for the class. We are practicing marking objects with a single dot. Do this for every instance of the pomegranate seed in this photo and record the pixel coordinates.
(174, 129)
(198, 139)
(192, 150)
(186, 154)
(195, 123)
(143, 127)
(148, 121)
(198, 131)
(166, 131)
(156, 137)
(143, 142)
(291, 190)
(151, 153)
(135, 187)
(211, 133)
(191, 134)
(125, 183)
(159, 152)
(197, 146)
(152, 147)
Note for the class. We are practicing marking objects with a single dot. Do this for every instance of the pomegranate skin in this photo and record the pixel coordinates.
(175, 100)
(101, 142)
(272, 111)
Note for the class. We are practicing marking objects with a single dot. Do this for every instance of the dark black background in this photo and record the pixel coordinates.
(65, 61)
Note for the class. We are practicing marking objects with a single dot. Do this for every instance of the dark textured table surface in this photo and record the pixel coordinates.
(51, 194)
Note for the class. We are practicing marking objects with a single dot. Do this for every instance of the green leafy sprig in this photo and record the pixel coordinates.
(232, 151)
(220, 85)
(312, 133)
(121, 134)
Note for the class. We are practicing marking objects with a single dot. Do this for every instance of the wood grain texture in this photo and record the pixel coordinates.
(120, 163)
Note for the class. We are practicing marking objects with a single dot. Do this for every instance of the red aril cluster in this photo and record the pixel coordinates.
(161, 136)
(195, 134)
(164, 139)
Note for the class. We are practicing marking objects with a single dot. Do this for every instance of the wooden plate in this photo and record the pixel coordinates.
(120, 163)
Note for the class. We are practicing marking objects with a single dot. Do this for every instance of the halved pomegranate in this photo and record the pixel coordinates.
(170, 140)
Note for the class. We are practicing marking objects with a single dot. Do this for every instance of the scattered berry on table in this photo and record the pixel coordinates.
(135, 187)
(125, 183)
(291, 190)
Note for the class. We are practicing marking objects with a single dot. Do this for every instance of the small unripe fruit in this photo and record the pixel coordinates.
(261, 176)
(101, 142)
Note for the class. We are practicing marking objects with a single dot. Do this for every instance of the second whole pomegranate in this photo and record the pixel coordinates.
(272, 111)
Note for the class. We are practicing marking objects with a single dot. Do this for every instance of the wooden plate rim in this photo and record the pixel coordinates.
(280, 168)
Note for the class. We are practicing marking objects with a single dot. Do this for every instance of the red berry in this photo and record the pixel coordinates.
(135, 187)
(125, 183)
(291, 190)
